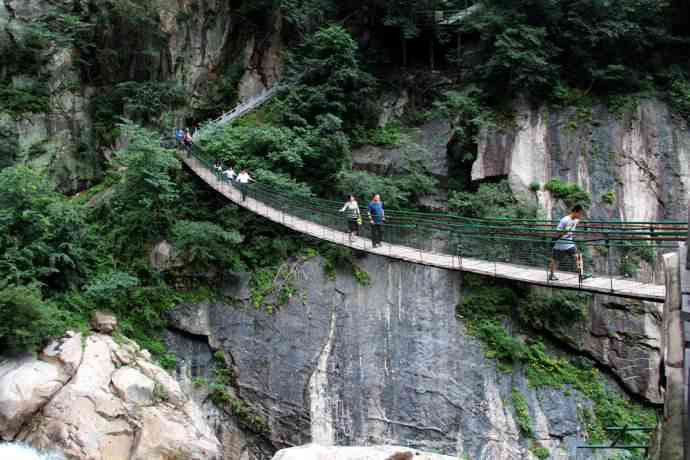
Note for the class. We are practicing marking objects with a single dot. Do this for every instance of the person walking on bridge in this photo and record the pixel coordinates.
(354, 218)
(243, 179)
(565, 245)
(376, 217)
(229, 174)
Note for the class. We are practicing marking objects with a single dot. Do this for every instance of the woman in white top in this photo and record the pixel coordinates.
(243, 179)
(351, 207)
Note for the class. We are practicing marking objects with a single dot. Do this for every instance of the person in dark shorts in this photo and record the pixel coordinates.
(564, 246)
(354, 218)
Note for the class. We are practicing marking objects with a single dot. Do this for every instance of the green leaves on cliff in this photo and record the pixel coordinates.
(487, 310)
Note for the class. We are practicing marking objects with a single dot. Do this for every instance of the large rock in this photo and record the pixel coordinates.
(642, 156)
(316, 452)
(103, 321)
(388, 363)
(110, 402)
(28, 383)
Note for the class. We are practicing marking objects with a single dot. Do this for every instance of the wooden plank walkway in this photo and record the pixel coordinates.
(526, 274)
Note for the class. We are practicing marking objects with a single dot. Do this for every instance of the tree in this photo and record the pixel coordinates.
(43, 236)
(143, 205)
(328, 79)
(26, 320)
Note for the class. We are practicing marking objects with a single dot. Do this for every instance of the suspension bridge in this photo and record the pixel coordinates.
(622, 257)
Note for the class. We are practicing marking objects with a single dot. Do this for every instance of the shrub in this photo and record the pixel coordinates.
(570, 193)
(522, 416)
(679, 97)
(26, 320)
(490, 201)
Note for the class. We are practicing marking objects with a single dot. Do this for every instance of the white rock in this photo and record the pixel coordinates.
(28, 383)
(23, 452)
(166, 433)
(316, 452)
(132, 386)
(103, 412)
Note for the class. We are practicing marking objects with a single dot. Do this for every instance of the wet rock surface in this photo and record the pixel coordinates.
(384, 364)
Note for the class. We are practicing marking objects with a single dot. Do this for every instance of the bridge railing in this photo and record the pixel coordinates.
(616, 250)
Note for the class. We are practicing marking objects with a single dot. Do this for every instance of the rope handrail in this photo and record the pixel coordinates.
(513, 252)
(616, 252)
(612, 231)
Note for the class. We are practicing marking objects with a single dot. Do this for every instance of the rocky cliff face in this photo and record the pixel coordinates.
(388, 363)
(203, 41)
(93, 398)
(634, 164)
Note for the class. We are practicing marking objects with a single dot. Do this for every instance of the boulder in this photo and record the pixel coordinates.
(132, 386)
(316, 452)
(103, 321)
(28, 383)
(110, 403)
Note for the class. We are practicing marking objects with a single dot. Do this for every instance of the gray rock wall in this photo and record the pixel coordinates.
(388, 363)
(642, 155)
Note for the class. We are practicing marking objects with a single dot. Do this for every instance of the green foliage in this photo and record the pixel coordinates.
(490, 201)
(340, 257)
(486, 306)
(536, 46)
(34, 97)
(570, 193)
(631, 254)
(609, 197)
(331, 82)
(108, 289)
(553, 308)
(306, 16)
(42, 236)
(398, 191)
(272, 288)
(222, 395)
(390, 135)
(204, 244)
(535, 186)
(142, 208)
(522, 417)
(679, 96)
(542, 453)
(26, 320)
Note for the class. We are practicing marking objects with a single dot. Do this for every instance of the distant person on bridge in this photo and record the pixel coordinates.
(243, 179)
(377, 217)
(564, 245)
(187, 141)
(354, 218)
(229, 174)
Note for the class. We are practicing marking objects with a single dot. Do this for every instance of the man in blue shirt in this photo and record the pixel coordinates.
(376, 218)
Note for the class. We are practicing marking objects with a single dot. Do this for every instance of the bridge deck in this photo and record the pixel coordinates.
(526, 274)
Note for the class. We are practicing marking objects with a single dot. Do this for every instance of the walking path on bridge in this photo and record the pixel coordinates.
(523, 273)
